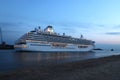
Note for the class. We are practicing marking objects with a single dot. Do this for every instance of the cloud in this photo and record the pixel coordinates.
(13, 27)
(73, 24)
(7, 24)
(84, 25)
(100, 25)
(11, 24)
(79, 27)
(113, 33)
(116, 27)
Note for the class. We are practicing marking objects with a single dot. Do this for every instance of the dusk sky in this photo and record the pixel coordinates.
(98, 20)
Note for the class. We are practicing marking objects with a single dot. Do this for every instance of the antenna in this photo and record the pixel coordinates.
(1, 35)
(81, 36)
(39, 27)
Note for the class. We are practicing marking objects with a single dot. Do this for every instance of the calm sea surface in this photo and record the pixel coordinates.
(10, 59)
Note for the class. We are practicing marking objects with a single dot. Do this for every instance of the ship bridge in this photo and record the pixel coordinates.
(49, 29)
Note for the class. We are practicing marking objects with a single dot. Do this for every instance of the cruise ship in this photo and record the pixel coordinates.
(47, 40)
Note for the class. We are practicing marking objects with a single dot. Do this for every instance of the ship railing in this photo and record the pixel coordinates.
(36, 41)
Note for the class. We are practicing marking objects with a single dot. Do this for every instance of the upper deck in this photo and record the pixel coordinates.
(49, 35)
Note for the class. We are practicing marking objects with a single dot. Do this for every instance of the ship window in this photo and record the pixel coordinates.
(21, 43)
(59, 45)
(33, 31)
(82, 46)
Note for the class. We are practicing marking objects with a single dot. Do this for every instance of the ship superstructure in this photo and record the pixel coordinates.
(48, 40)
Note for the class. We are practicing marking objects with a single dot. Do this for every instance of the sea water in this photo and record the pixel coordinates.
(11, 60)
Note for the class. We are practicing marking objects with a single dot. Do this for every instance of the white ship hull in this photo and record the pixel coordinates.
(49, 41)
(49, 48)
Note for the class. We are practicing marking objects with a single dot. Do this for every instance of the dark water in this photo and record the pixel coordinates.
(10, 59)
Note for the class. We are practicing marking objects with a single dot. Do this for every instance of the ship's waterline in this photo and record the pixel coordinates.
(47, 40)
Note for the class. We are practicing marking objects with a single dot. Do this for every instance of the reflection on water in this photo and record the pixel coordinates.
(56, 57)
(10, 59)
